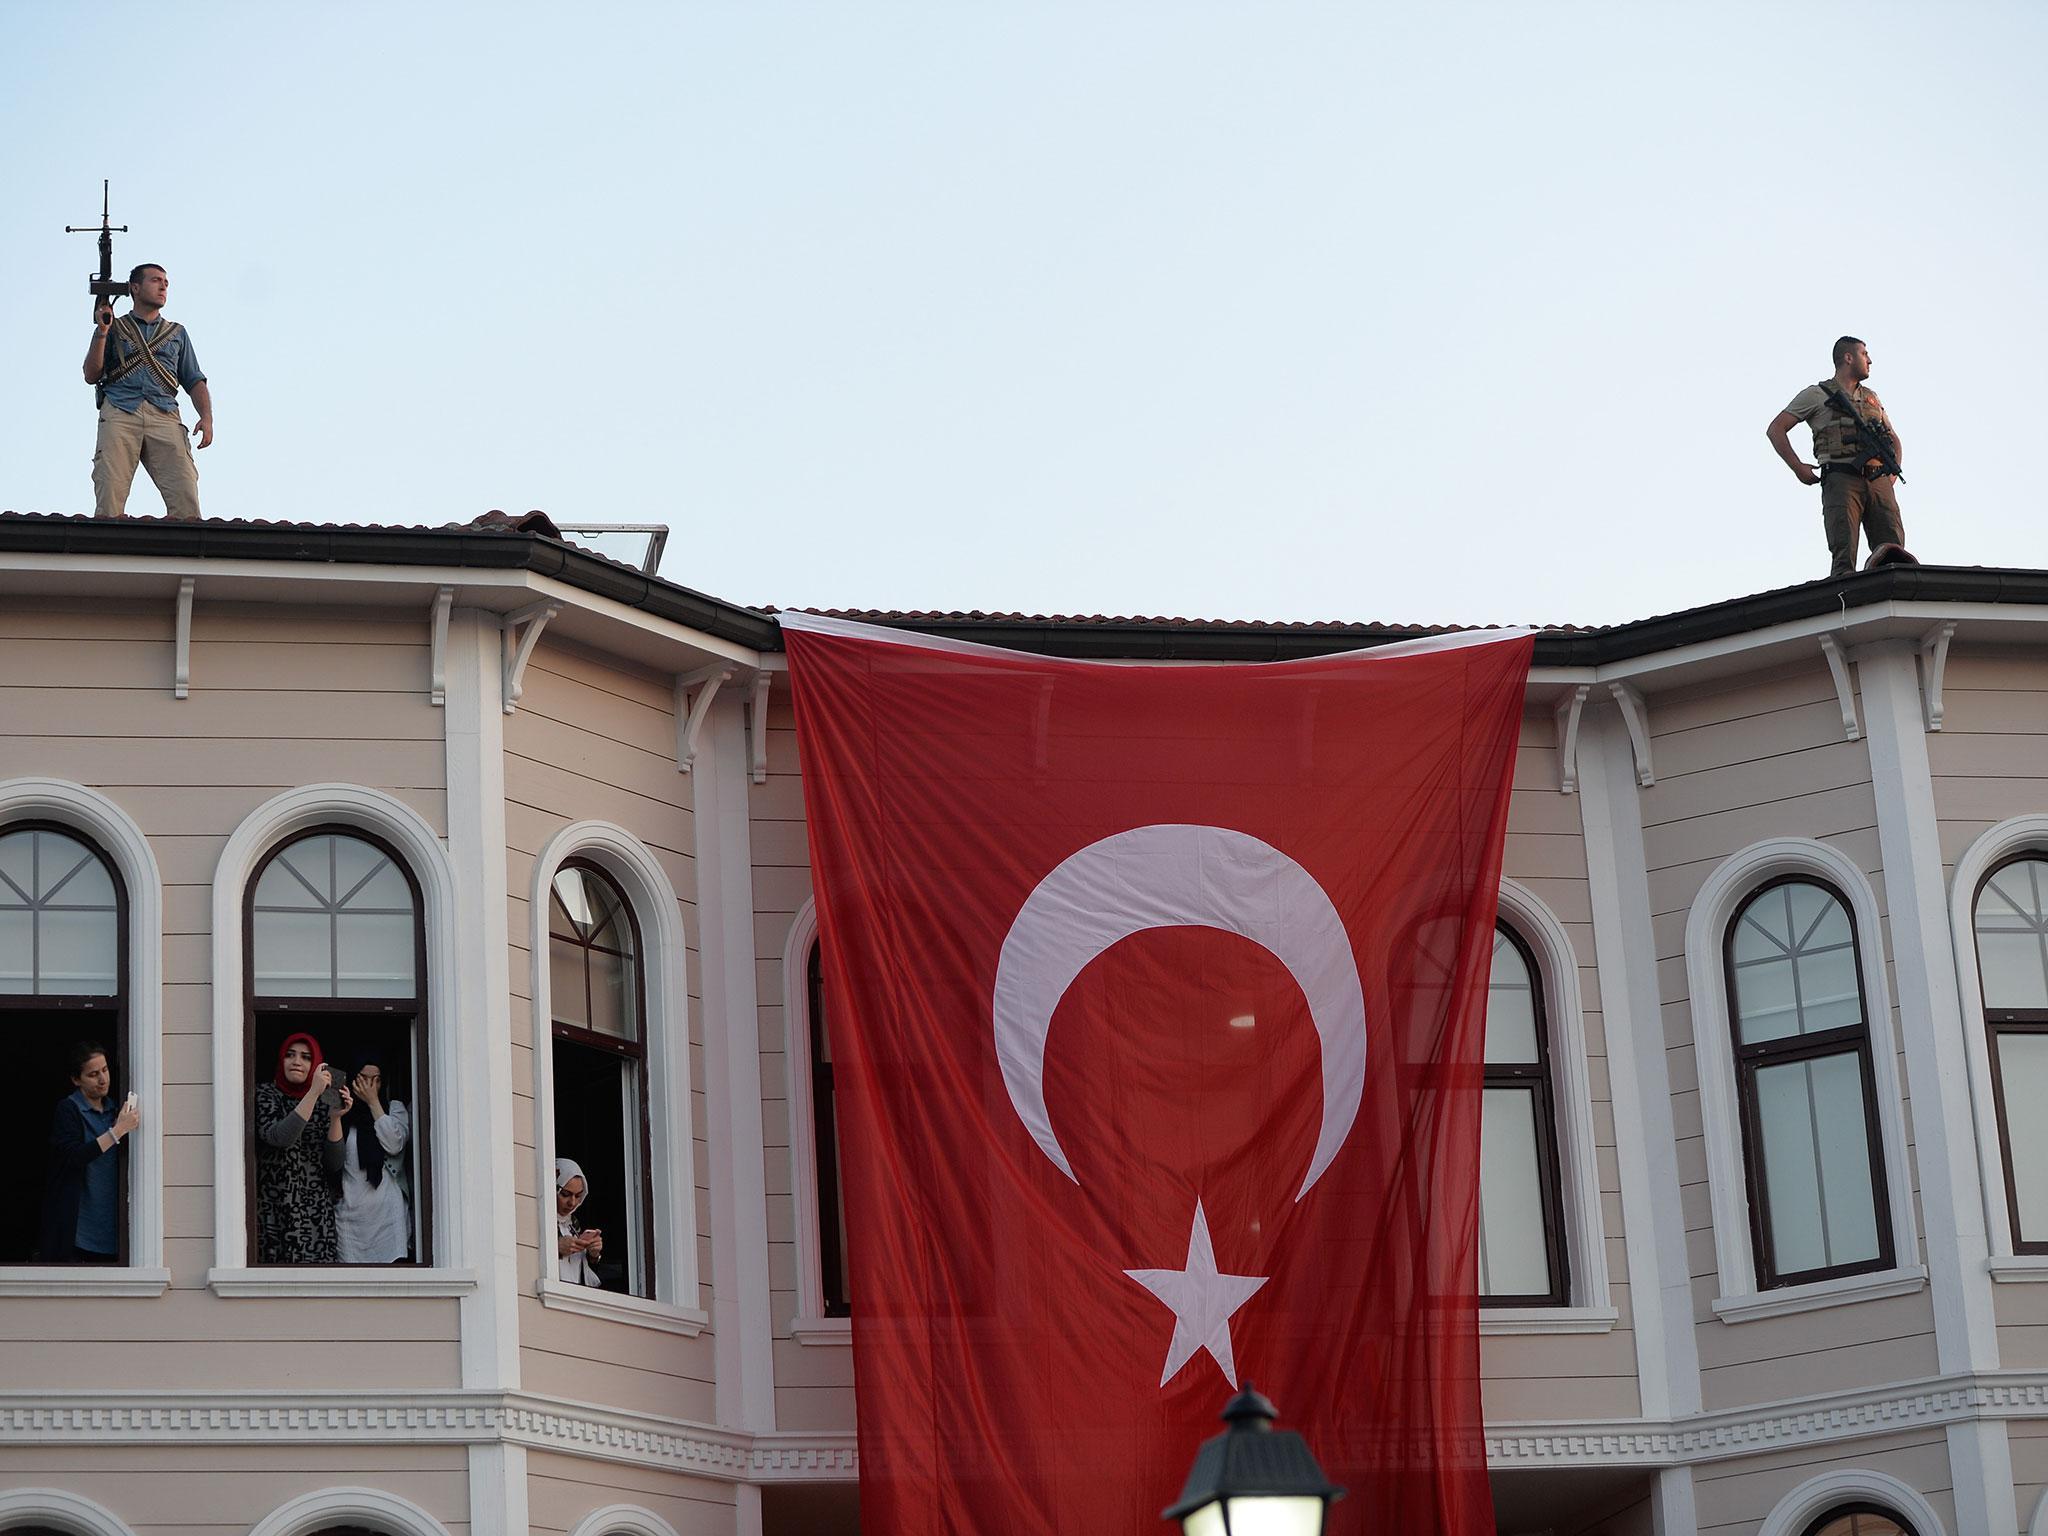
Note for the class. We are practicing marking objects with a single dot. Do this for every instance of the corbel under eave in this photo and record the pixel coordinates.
(181, 676)
(1569, 710)
(691, 712)
(1635, 714)
(444, 600)
(1933, 663)
(757, 725)
(527, 622)
(1845, 693)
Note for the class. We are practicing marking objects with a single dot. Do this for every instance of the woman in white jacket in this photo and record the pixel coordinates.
(373, 1219)
(575, 1246)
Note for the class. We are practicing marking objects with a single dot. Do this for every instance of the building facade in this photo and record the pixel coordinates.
(1766, 1211)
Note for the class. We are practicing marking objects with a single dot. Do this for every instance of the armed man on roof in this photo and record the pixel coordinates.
(138, 363)
(1859, 459)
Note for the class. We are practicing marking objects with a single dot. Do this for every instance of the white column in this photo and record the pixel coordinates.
(743, 1351)
(1646, 1148)
(1672, 1511)
(1937, 1070)
(478, 1078)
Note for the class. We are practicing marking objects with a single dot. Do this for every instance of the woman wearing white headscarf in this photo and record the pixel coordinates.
(575, 1247)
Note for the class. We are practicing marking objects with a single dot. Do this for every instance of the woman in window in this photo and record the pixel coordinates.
(82, 1203)
(575, 1247)
(373, 1222)
(294, 1199)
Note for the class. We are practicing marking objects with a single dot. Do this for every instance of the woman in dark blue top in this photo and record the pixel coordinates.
(82, 1203)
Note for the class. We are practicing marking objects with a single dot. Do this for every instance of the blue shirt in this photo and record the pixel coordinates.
(142, 383)
(99, 1204)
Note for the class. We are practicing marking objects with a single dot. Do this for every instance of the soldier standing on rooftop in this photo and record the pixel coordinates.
(1856, 482)
(139, 361)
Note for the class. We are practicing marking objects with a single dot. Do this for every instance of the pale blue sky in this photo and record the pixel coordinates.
(1458, 312)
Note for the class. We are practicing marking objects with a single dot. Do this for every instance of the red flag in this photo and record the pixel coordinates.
(1157, 996)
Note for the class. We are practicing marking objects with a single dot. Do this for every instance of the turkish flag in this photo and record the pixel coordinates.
(1157, 997)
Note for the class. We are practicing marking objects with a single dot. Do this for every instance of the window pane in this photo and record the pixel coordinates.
(77, 953)
(2012, 967)
(1513, 1260)
(1860, 1524)
(1830, 995)
(15, 950)
(565, 983)
(293, 954)
(1816, 1154)
(296, 878)
(17, 868)
(612, 1000)
(72, 874)
(633, 1116)
(1510, 1006)
(376, 958)
(1766, 1003)
(1794, 957)
(2023, 1074)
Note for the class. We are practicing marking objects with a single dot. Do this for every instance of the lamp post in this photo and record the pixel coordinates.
(1253, 1480)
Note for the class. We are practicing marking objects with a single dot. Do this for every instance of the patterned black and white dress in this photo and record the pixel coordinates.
(295, 1169)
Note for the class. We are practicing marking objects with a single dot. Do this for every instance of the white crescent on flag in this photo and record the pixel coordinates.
(1173, 875)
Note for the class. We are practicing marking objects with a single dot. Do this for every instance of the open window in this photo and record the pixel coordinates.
(597, 996)
(63, 969)
(336, 950)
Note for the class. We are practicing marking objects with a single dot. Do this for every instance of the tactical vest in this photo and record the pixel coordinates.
(1834, 434)
(127, 351)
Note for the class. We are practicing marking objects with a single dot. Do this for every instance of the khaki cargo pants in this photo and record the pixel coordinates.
(156, 440)
(1850, 502)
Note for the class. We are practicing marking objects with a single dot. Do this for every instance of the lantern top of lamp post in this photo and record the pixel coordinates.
(1251, 1459)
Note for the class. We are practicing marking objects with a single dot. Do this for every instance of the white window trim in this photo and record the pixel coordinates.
(113, 832)
(1591, 1309)
(671, 1136)
(1817, 1495)
(69, 1512)
(276, 821)
(810, 1325)
(623, 1520)
(2018, 835)
(1726, 889)
(313, 1511)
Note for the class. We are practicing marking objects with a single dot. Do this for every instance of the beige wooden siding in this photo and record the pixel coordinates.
(813, 1382)
(1573, 1375)
(279, 698)
(1737, 762)
(562, 1490)
(594, 739)
(1735, 1497)
(2029, 1440)
(223, 1490)
(1989, 761)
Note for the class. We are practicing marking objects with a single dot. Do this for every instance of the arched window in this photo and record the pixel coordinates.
(1523, 1259)
(599, 1052)
(1811, 1145)
(2012, 965)
(832, 1256)
(63, 960)
(1859, 1520)
(336, 949)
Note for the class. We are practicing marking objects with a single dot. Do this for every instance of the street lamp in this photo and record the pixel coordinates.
(1253, 1480)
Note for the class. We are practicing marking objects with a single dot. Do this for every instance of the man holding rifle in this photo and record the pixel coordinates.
(1858, 453)
(139, 362)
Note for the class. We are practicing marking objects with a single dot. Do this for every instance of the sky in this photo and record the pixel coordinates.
(1446, 313)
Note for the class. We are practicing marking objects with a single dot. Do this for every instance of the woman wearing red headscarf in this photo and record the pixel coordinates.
(295, 1170)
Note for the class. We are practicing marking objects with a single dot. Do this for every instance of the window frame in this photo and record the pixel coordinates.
(115, 1005)
(1834, 1512)
(1750, 1059)
(1998, 1022)
(832, 1263)
(255, 1005)
(634, 1051)
(1550, 1178)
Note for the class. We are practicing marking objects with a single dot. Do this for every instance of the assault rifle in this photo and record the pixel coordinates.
(104, 289)
(1877, 441)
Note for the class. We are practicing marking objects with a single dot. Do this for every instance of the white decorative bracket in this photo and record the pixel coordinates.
(1845, 695)
(757, 725)
(1569, 709)
(1933, 663)
(691, 712)
(1635, 714)
(181, 680)
(527, 622)
(444, 599)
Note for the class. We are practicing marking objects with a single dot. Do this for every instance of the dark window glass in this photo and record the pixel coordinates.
(1859, 1520)
(1807, 1095)
(1522, 1252)
(63, 982)
(335, 949)
(825, 1141)
(2012, 964)
(600, 1069)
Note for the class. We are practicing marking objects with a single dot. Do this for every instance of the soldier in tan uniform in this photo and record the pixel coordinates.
(1856, 482)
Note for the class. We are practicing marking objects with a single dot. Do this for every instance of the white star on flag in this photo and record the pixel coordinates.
(1201, 1301)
